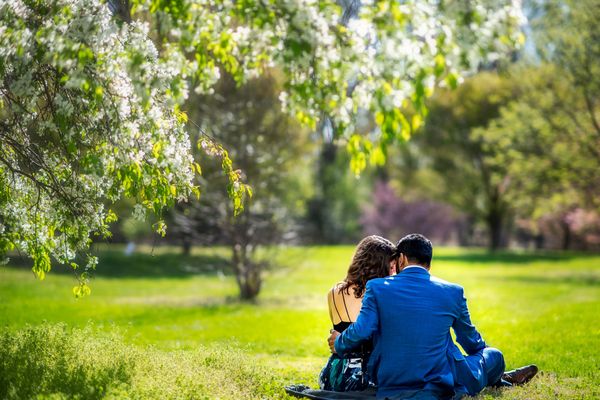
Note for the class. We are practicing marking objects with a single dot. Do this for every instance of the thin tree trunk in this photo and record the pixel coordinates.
(496, 220)
(465, 232)
(539, 241)
(247, 273)
(121, 8)
(567, 236)
(494, 223)
(187, 245)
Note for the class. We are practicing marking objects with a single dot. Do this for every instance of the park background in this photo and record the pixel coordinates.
(503, 176)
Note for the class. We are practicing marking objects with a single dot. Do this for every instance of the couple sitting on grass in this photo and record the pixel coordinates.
(391, 332)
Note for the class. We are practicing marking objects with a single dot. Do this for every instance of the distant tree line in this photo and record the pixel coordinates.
(516, 149)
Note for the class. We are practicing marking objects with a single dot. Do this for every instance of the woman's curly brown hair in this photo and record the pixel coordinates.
(371, 260)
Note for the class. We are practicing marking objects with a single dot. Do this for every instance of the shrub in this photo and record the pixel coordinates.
(56, 362)
(59, 362)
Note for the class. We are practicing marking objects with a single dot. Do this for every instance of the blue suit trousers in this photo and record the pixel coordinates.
(487, 364)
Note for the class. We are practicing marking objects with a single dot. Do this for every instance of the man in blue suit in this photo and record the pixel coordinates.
(409, 317)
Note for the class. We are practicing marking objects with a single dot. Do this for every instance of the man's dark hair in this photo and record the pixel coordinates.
(415, 247)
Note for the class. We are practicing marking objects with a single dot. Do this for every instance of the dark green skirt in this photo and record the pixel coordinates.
(344, 375)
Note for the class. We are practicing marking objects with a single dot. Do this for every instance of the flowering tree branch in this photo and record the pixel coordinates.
(90, 104)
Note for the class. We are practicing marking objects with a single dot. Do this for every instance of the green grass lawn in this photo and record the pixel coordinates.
(180, 314)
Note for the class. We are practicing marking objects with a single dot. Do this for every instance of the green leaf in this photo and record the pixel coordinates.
(377, 156)
(440, 65)
(81, 290)
(452, 80)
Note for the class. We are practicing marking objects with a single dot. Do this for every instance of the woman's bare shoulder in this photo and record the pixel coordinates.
(334, 291)
(336, 288)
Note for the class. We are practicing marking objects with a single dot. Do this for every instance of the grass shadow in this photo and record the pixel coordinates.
(578, 279)
(504, 257)
(116, 264)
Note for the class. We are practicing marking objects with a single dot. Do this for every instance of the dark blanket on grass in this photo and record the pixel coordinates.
(302, 391)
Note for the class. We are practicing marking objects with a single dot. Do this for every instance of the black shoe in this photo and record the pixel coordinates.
(501, 383)
(521, 375)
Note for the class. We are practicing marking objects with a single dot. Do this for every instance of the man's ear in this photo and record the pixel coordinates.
(402, 262)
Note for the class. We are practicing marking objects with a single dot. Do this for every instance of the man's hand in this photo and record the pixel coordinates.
(331, 340)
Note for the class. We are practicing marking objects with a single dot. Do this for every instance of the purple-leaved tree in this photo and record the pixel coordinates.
(392, 216)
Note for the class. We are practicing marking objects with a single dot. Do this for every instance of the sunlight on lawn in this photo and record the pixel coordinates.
(536, 308)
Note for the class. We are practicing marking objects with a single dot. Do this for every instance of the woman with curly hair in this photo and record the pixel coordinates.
(374, 257)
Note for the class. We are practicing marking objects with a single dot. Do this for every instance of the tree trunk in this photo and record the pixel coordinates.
(495, 232)
(187, 245)
(121, 9)
(247, 273)
(539, 241)
(496, 220)
(567, 236)
(464, 232)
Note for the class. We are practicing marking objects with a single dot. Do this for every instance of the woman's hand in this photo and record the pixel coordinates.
(331, 340)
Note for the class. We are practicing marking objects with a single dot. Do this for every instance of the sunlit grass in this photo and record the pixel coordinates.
(540, 308)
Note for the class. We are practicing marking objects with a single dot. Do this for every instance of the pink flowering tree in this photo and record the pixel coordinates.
(389, 215)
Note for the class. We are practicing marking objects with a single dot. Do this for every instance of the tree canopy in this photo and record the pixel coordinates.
(515, 149)
(452, 140)
(90, 94)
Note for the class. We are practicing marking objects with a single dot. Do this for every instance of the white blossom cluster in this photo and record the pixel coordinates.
(87, 116)
(386, 61)
(409, 47)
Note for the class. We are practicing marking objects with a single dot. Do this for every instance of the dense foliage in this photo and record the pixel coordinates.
(89, 106)
(333, 210)
(472, 181)
(550, 134)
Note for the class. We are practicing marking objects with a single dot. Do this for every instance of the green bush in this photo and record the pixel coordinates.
(58, 362)
(55, 362)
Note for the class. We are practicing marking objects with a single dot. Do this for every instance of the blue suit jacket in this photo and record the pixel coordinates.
(408, 316)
